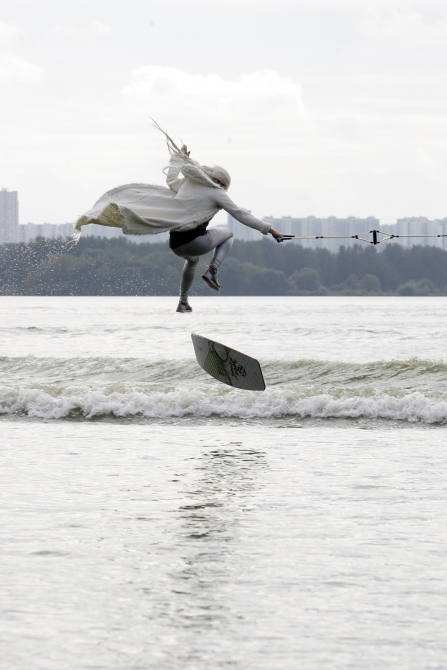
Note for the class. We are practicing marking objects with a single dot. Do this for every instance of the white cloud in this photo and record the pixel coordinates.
(260, 93)
(99, 28)
(392, 25)
(87, 32)
(14, 69)
(9, 32)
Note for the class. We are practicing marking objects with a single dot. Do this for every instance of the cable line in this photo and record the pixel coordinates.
(374, 233)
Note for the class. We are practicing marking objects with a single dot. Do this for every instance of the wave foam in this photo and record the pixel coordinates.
(119, 402)
(87, 388)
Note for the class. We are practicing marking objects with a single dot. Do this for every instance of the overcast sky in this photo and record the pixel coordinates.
(323, 107)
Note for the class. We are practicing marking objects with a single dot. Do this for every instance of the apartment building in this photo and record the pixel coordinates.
(9, 216)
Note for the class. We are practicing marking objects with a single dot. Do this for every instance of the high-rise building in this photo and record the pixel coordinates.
(336, 232)
(331, 228)
(419, 226)
(30, 231)
(240, 231)
(9, 216)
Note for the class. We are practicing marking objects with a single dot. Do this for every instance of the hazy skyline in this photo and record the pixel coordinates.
(316, 107)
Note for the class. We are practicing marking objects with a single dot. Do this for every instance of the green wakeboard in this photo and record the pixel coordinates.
(228, 365)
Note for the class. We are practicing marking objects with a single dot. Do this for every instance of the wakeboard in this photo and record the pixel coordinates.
(228, 365)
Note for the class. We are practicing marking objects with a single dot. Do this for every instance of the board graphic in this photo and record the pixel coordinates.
(228, 365)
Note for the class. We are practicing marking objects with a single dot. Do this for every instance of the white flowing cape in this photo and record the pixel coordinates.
(146, 209)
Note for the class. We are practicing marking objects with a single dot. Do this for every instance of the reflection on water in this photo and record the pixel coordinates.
(207, 542)
(274, 553)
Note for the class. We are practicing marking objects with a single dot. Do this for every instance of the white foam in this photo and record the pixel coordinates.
(206, 401)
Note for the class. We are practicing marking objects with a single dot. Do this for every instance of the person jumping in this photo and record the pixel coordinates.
(184, 209)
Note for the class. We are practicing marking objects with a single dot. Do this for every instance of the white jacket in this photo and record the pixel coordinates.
(144, 209)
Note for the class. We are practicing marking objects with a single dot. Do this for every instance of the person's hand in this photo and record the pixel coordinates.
(185, 150)
(274, 233)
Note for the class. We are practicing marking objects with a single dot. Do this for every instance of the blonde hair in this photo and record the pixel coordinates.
(214, 172)
(219, 173)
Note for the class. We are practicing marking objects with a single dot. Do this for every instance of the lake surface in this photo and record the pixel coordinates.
(154, 518)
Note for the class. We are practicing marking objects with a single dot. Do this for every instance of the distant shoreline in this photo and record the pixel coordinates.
(118, 267)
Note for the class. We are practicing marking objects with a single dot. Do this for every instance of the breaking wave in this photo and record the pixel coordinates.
(85, 389)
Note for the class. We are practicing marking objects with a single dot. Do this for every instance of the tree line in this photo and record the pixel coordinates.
(98, 266)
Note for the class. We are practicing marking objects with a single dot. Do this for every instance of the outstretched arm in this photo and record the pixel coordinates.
(243, 216)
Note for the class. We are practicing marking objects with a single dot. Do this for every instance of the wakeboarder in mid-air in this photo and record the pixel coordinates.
(184, 209)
